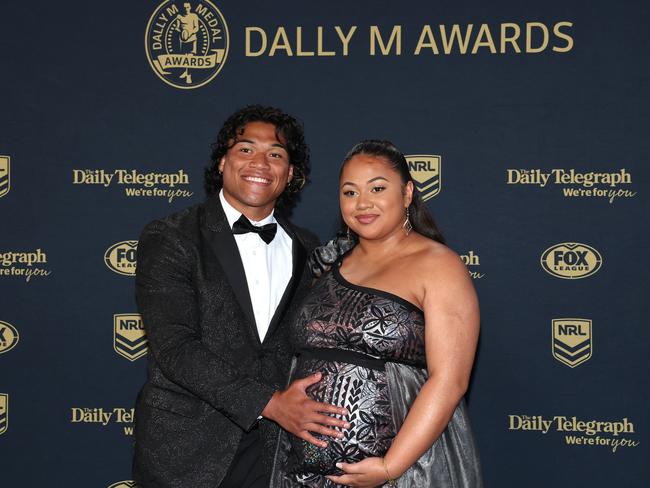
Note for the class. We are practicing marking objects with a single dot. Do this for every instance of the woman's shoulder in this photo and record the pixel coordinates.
(435, 260)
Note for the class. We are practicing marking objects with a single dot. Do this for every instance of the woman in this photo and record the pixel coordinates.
(393, 329)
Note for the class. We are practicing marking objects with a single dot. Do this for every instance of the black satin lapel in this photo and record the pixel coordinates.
(299, 259)
(218, 234)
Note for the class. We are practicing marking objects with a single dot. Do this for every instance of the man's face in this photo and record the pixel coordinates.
(256, 170)
(188, 7)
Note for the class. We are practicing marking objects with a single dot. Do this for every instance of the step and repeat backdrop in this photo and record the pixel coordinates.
(525, 126)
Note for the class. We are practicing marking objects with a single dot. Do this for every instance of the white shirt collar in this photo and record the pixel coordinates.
(232, 214)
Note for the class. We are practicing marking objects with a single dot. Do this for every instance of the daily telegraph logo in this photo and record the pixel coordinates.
(25, 265)
(425, 170)
(576, 184)
(8, 337)
(613, 434)
(572, 341)
(473, 263)
(4, 413)
(136, 183)
(121, 417)
(129, 338)
(121, 257)
(124, 484)
(188, 48)
(5, 175)
(571, 260)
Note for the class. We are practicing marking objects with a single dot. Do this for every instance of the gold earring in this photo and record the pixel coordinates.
(407, 223)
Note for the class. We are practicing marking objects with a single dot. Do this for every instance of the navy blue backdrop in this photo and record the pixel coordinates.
(527, 126)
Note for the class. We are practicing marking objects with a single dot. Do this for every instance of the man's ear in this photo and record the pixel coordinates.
(222, 163)
(290, 174)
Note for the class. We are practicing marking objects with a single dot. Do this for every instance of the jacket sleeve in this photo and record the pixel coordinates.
(167, 301)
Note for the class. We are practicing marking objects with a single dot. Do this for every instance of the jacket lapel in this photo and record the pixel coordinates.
(217, 232)
(299, 257)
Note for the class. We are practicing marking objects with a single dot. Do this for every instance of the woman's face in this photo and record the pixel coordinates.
(372, 197)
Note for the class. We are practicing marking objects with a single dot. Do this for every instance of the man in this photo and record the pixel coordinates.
(214, 284)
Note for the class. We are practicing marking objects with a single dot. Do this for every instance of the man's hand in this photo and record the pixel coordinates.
(300, 415)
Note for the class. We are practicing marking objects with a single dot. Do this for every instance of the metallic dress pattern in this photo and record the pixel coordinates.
(338, 315)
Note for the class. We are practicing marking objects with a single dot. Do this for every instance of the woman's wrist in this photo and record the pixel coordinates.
(396, 467)
(390, 480)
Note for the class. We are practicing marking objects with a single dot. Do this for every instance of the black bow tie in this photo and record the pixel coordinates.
(244, 226)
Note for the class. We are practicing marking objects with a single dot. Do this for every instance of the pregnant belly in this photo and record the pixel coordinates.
(364, 393)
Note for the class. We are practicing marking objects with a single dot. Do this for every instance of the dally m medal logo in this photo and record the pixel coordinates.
(425, 170)
(5, 179)
(4, 412)
(572, 343)
(571, 260)
(121, 257)
(187, 48)
(129, 337)
(8, 337)
(124, 484)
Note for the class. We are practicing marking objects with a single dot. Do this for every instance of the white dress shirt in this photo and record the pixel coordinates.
(268, 267)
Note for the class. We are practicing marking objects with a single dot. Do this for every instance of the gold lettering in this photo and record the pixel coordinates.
(261, 50)
(448, 43)
(345, 39)
(320, 50)
(395, 37)
(484, 31)
(299, 51)
(280, 41)
(426, 40)
(529, 37)
(562, 35)
(505, 39)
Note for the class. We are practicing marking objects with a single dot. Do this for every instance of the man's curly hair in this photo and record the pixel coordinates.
(287, 129)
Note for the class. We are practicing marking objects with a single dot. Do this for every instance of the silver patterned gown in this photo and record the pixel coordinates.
(369, 345)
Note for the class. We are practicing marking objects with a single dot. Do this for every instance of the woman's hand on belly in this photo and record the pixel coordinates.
(365, 474)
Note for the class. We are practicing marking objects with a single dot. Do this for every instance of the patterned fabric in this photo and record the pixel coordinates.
(340, 315)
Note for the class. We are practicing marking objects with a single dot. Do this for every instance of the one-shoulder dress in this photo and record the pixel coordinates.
(369, 345)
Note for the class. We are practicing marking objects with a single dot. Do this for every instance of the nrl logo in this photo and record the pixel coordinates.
(425, 170)
(5, 181)
(129, 338)
(124, 484)
(572, 341)
(4, 412)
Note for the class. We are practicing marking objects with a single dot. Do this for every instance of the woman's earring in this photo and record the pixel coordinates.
(348, 235)
(407, 223)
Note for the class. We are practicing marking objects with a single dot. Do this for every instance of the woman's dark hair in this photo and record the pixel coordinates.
(420, 218)
(287, 128)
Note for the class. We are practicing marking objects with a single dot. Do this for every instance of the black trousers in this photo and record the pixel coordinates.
(246, 470)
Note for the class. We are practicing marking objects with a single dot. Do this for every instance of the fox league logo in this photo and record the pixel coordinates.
(5, 180)
(129, 338)
(8, 337)
(571, 260)
(572, 341)
(121, 257)
(187, 42)
(4, 413)
(425, 170)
